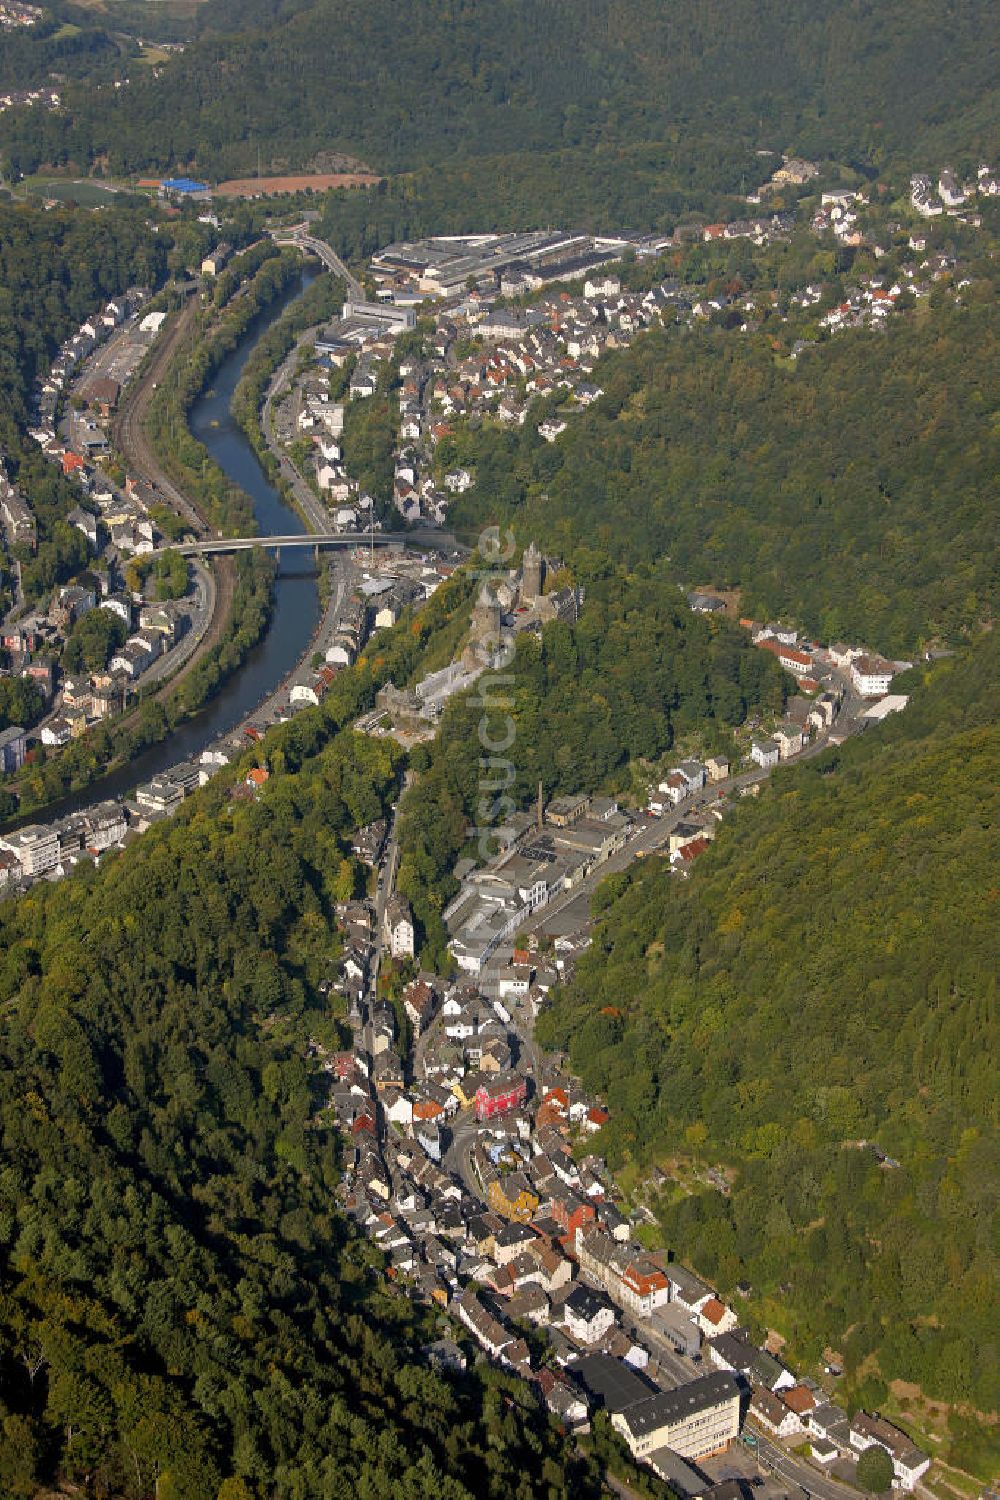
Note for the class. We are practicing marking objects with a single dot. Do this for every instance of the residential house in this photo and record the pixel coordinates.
(560, 1398)
(789, 740)
(629, 1278)
(871, 676)
(399, 927)
(418, 1002)
(765, 753)
(513, 1197)
(909, 1464)
(773, 1415)
(510, 1241)
(714, 1317)
(687, 1290)
(587, 1316)
(737, 1353)
(499, 1095)
(488, 1332)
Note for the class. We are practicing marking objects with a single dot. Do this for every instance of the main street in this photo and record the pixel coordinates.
(789, 1467)
(384, 888)
(653, 835)
(316, 515)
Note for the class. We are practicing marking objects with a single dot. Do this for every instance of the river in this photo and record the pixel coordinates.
(296, 601)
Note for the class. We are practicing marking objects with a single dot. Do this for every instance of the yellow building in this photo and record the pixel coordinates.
(512, 1196)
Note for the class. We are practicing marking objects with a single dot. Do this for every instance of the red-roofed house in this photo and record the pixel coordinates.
(594, 1119)
(691, 851)
(715, 1317)
(799, 1399)
(796, 662)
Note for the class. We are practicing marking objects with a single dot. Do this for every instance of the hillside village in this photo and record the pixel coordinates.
(474, 1167)
(524, 318)
(151, 617)
(472, 1162)
(500, 341)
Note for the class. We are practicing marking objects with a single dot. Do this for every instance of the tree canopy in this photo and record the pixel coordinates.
(703, 86)
(815, 1012)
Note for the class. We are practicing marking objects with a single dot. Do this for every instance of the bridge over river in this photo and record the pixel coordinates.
(436, 541)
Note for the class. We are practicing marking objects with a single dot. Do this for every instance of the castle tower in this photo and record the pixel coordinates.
(486, 617)
(532, 574)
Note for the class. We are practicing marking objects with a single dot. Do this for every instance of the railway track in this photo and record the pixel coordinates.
(128, 429)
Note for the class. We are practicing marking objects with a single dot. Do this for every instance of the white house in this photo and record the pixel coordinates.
(588, 1317)
(399, 928)
(765, 753)
(715, 1317)
(871, 676)
(399, 1109)
(909, 1464)
(772, 1414)
(952, 193)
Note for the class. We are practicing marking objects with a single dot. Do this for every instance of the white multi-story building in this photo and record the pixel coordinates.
(695, 1420)
(871, 675)
(399, 928)
(36, 847)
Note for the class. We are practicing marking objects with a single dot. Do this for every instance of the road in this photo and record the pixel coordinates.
(794, 1470)
(654, 834)
(386, 885)
(303, 673)
(299, 236)
(316, 515)
(203, 613)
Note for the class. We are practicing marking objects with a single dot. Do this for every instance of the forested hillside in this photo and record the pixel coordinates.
(585, 700)
(55, 269)
(852, 489)
(475, 79)
(182, 1309)
(823, 984)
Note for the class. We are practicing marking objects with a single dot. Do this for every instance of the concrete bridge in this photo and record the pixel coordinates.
(303, 240)
(217, 546)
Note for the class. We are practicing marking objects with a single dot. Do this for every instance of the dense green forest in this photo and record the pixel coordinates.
(585, 700)
(703, 84)
(850, 489)
(49, 53)
(183, 1309)
(56, 267)
(827, 978)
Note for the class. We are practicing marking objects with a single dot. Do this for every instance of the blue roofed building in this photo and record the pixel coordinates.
(185, 186)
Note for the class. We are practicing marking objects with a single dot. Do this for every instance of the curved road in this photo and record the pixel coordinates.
(298, 236)
(315, 514)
